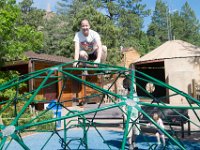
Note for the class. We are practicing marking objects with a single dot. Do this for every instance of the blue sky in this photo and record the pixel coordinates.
(173, 5)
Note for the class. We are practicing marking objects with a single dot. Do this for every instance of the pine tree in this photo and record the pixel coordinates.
(99, 22)
(31, 15)
(190, 25)
(158, 29)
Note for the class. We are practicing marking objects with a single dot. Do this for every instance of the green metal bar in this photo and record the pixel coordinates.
(10, 81)
(101, 135)
(167, 106)
(5, 107)
(131, 86)
(193, 109)
(31, 99)
(126, 127)
(85, 138)
(3, 141)
(65, 131)
(101, 65)
(7, 145)
(165, 132)
(92, 69)
(5, 86)
(171, 88)
(92, 85)
(70, 116)
(20, 141)
(47, 141)
(111, 70)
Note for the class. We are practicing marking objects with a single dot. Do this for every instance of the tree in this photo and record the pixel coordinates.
(158, 28)
(6, 76)
(119, 22)
(58, 36)
(30, 15)
(99, 22)
(190, 25)
(181, 25)
(128, 16)
(15, 39)
(177, 25)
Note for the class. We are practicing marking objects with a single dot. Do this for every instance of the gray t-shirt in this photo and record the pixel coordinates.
(87, 43)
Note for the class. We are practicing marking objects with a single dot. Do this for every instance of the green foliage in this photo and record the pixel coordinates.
(11, 92)
(158, 29)
(119, 23)
(58, 36)
(177, 22)
(189, 25)
(9, 114)
(181, 25)
(128, 17)
(30, 15)
(108, 32)
(8, 14)
(47, 126)
(15, 38)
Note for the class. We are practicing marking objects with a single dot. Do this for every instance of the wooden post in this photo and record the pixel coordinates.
(83, 92)
(194, 89)
(31, 69)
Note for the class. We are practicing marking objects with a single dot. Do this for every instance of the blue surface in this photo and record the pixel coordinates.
(111, 138)
(57, 110)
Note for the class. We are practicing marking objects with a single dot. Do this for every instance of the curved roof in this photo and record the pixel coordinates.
(46, 57)
(171, 49)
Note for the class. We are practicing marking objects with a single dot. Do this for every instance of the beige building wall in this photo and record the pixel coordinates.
(179, 73)
(129, 57)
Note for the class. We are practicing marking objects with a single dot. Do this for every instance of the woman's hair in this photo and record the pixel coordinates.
(85, 19)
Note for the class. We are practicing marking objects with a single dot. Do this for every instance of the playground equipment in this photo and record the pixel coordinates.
(16, 127)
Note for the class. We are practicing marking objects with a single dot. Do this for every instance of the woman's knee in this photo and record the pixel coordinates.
(104, 53)
(83, 55)
(104, 48)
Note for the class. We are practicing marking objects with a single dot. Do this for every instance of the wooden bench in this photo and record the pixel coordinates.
(115, 117)
(109, 117)
(170, 117)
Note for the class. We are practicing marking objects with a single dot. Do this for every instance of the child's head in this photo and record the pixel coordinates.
(156, 116)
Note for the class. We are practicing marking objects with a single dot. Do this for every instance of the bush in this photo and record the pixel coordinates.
(48, 126)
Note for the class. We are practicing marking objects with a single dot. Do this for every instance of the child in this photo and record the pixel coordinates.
(133, 126)
(159, 134)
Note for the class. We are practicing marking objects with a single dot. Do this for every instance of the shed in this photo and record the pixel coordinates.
(34, 62)
(129, 55)
(176, 63)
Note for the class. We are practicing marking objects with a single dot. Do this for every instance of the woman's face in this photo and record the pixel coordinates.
(85, 26)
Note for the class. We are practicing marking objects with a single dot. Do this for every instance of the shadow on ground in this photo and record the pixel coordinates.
(101, 140)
